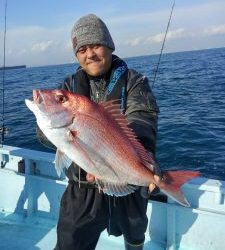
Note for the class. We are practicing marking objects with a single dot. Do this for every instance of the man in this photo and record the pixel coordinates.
(85, 211)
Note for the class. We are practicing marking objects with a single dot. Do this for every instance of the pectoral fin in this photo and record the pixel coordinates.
(116, 189)
(61, 161)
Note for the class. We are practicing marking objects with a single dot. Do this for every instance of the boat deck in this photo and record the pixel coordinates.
(29, 237)
(29, 206)
(36, 236)
(26, 237)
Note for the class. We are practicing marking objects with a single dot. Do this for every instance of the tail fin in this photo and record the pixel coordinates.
(173, 180)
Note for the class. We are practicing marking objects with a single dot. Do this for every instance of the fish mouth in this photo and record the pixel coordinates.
(37, 97)
(47, 110)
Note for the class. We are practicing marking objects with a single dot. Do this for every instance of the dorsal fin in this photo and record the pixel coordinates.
(113, 109)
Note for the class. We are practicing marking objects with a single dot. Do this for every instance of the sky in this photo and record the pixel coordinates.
(38, 32)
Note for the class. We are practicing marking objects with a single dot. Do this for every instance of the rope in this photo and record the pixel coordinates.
(160, 55)
(3, 129)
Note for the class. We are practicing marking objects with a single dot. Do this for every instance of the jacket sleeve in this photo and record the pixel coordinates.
(142, 110)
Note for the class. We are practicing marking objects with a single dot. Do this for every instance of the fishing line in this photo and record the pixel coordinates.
(160, 55)
(3, 129)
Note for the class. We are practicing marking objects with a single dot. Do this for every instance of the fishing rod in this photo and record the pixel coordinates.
(3, 129)
(163, 44)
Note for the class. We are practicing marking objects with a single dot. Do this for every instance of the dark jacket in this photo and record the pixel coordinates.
(140, 106)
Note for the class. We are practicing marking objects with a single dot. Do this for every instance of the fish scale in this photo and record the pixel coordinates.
(113, 153)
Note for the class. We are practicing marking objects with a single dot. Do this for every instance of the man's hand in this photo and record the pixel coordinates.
(90, 178)
(152, 186)
(152, 189)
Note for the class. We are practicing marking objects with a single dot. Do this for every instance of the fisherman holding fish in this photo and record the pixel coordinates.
(85, 212)
(104, 124)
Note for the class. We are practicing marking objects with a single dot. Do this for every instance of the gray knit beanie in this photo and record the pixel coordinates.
(90, 30)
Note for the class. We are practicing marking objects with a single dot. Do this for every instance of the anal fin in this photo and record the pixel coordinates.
(61, 161)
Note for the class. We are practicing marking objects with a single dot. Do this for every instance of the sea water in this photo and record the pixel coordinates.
(190, 92)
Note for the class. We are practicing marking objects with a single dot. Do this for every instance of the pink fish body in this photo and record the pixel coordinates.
(98, 139)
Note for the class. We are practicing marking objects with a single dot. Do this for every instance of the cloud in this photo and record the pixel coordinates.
(189, 24)
(214, 30)
(36, 45)
(21, 52)
(158, 38)
(171, 35)
(42, 46)
(135, 42)
(175, 35)
(193, 13)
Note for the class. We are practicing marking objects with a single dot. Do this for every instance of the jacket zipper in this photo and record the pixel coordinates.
(99, 91)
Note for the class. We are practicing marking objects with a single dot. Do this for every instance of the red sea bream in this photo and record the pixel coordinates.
(97, 137)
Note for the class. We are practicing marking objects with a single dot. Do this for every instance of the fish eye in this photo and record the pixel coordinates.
(61, 98)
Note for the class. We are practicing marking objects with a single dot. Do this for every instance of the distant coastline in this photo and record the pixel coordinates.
(13, 67)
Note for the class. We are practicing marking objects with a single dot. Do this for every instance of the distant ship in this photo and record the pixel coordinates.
(13, 67)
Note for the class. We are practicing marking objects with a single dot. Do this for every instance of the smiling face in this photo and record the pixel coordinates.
(95, 59)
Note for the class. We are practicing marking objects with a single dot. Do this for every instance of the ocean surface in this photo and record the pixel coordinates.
(190, 92)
